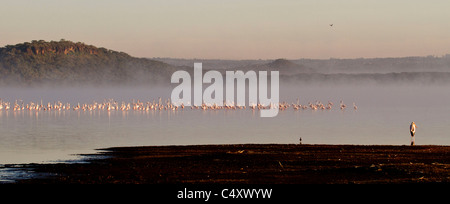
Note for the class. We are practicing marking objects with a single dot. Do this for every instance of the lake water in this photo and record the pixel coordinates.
(383, 117)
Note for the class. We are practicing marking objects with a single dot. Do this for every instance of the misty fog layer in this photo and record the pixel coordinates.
(333, 66)
(83, 94)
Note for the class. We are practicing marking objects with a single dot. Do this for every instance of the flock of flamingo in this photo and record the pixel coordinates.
(112, 105)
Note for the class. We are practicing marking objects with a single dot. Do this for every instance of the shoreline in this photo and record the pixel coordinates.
(252, 164)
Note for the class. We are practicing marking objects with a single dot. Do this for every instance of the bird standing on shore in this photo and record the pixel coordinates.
(412, 130)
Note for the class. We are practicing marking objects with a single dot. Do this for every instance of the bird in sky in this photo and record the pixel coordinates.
(331, 25)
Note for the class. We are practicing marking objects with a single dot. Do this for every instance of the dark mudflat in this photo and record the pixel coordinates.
(255, 164)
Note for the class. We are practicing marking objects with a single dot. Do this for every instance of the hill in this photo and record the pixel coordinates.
(285, 67)
(69, 62)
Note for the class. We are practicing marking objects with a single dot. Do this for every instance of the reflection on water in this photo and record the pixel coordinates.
(383, 117)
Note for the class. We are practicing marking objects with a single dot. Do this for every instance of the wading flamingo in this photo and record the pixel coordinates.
(412, 130)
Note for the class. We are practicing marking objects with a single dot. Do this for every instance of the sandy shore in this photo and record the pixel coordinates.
(255, 164)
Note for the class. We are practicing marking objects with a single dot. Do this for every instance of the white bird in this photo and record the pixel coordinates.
(412, 130)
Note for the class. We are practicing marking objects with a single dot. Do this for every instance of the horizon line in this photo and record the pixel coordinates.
(330, 58)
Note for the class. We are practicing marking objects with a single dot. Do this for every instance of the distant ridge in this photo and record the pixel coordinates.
(284, 66)
(282, 63)
(69, 62)
(329, 66)
(429, 70)
(401, 78)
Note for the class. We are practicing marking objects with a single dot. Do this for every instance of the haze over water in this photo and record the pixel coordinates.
(383, 117)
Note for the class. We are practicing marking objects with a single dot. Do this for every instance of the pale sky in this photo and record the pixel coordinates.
(236, 29)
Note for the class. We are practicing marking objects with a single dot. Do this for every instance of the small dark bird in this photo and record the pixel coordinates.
(300, 140)
(331, 24)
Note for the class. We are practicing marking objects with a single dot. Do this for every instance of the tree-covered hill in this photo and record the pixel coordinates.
(69, 62)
